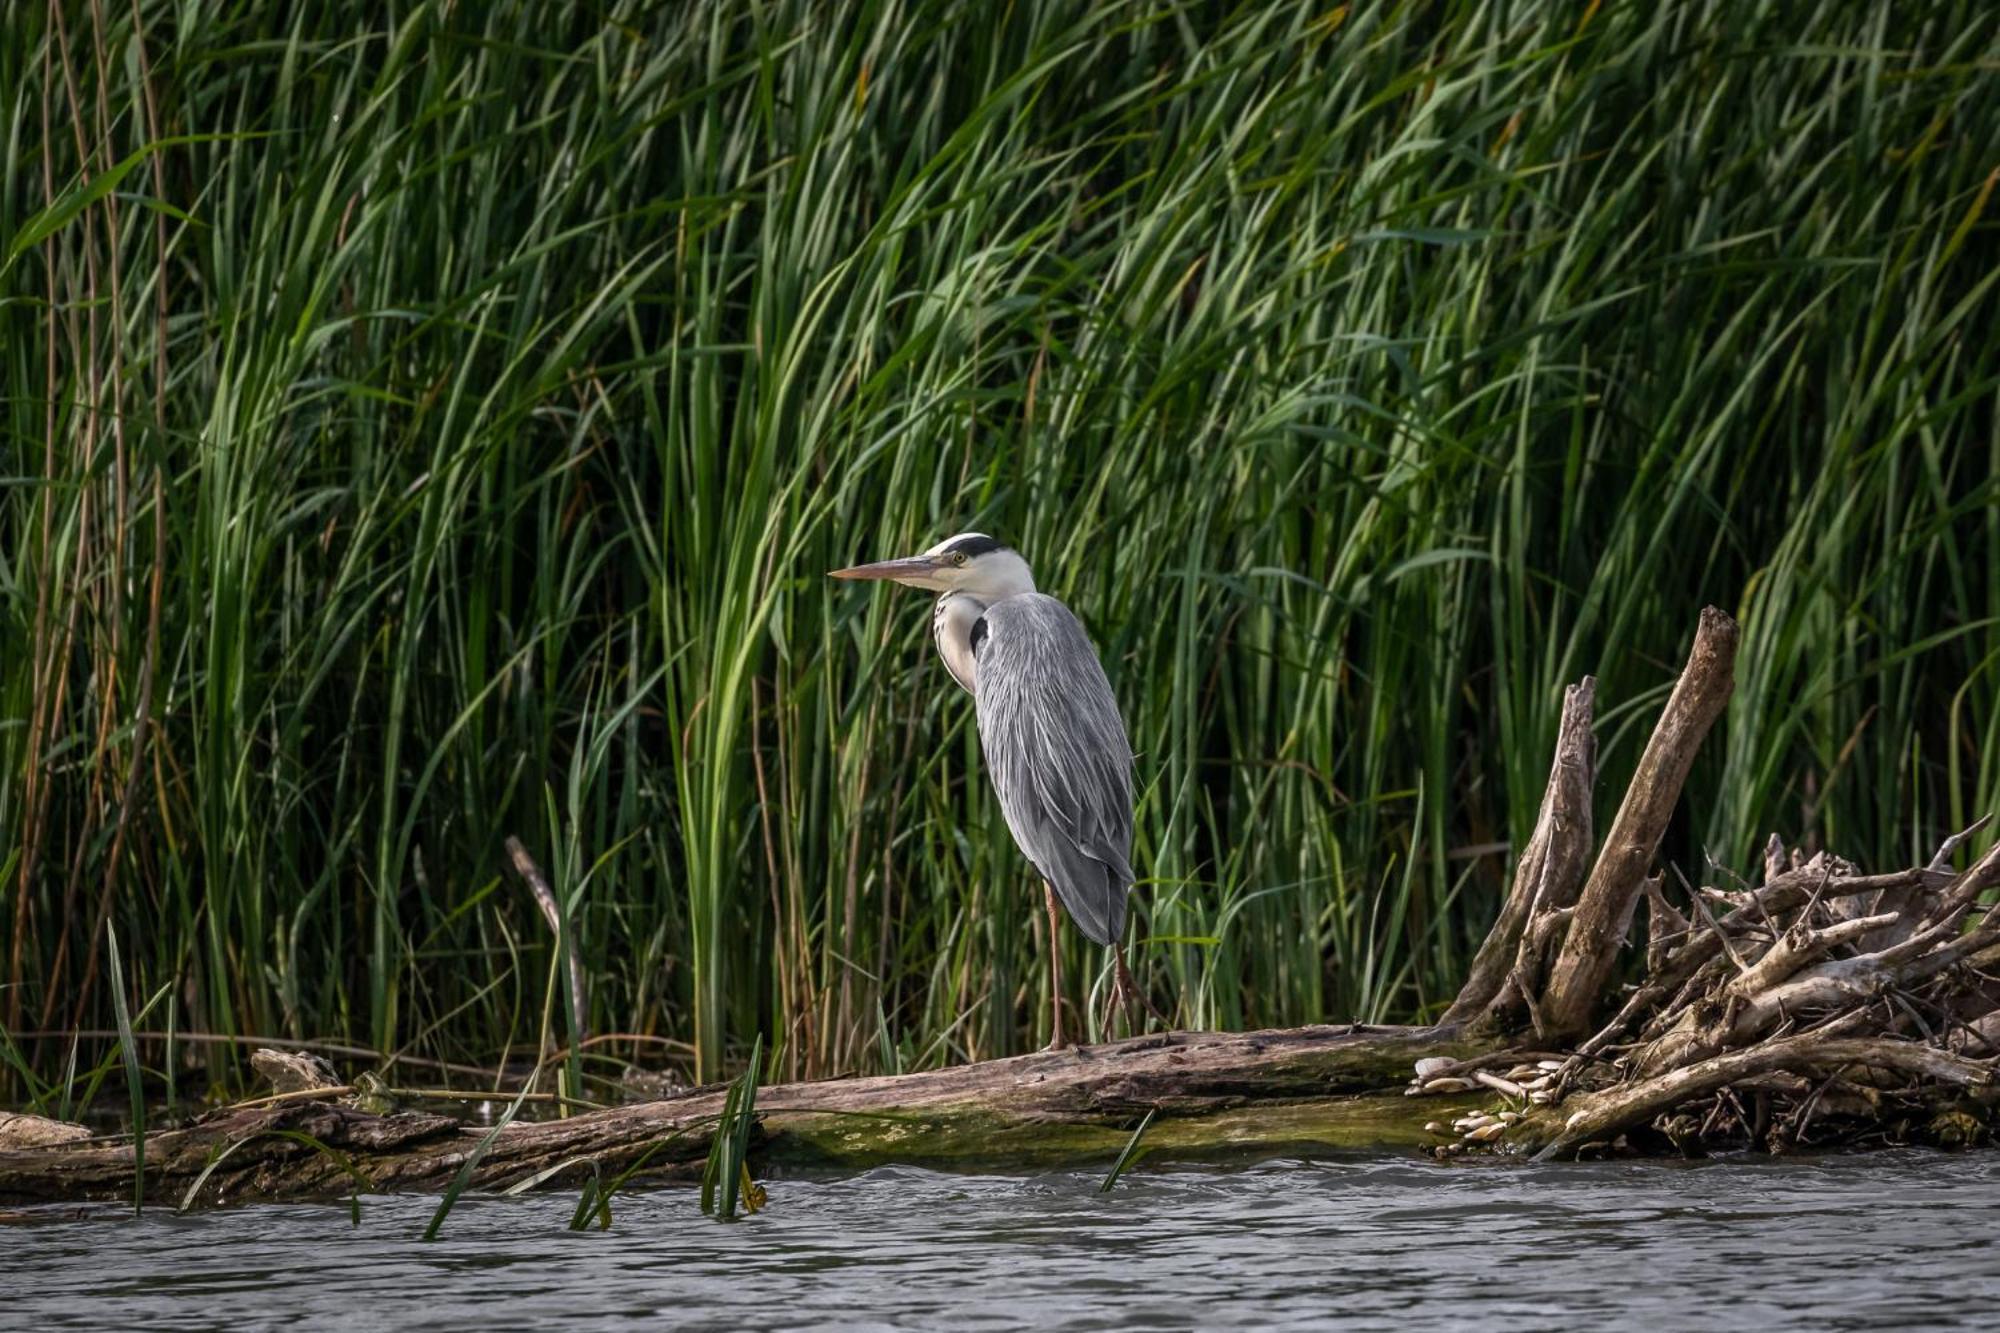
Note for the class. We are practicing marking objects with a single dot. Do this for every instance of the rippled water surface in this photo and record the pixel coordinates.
(1901, 1240)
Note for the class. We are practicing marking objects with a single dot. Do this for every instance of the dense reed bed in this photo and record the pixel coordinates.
(417, 433)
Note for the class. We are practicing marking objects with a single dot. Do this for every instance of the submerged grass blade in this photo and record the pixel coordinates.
(725, 1180)
(1130, 1155)
(593, 1204)
(463, 1176)
(134, 1083)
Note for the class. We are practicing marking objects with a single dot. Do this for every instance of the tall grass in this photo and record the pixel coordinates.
(440, 428)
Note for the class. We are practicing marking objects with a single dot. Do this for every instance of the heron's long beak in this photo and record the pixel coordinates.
(909, 567)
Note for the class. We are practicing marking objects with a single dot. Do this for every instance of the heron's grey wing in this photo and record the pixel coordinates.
(1056, 748)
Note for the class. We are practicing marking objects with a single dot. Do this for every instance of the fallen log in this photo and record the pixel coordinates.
(1215, 1094)
(1822, 1005)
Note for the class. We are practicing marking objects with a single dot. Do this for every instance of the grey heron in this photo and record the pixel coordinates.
(1049, 728)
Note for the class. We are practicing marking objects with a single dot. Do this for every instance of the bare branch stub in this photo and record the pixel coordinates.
(1604, 910)
(538, 884)
(1548, 873)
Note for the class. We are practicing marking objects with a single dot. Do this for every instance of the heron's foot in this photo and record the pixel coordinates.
(1129, 995)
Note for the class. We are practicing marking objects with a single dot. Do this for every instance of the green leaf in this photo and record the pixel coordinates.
(82, 195)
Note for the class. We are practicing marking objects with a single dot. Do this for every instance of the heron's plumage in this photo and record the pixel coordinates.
(1056, 749)
(956, 625)
(1048, 723)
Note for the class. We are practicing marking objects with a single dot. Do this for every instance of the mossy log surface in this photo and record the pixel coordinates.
(1214, 1094)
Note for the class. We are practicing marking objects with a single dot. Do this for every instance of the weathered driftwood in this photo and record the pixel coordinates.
(1822, 1002)
(1598, 1117)
(294, 1071)
(1834, 979)
(34, 1131)
(1506, 972)
(1604, 909)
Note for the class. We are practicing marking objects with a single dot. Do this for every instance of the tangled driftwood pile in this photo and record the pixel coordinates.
(1820, 995)
(1818, 1005)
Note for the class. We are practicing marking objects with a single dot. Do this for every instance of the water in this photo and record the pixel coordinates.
(1891, 1241)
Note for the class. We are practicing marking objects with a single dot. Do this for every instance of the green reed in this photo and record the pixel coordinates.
(426, 431)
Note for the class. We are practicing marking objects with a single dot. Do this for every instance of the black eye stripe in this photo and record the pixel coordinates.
(971, 545)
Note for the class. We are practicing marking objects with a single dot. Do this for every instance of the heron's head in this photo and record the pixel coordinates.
(971, 562)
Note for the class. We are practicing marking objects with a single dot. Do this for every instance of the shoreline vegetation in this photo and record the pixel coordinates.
(421, 446)
(1819, 1007)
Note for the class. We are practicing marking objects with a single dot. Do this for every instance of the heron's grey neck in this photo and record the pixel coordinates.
(952, 620)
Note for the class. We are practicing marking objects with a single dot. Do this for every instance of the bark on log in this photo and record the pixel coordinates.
(1214, 1093)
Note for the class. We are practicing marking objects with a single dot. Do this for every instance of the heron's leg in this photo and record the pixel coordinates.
(1122, 997)
(1057, 1042)
(1125, 989)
